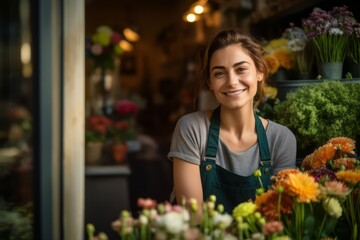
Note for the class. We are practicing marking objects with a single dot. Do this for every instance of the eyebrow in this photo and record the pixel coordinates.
(235, 65)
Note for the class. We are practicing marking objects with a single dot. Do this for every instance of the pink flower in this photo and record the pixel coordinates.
(126, 107)
(272, 227)
(146, 203)
(96, 49)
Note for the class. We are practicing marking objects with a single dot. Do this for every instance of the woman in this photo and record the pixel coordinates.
(217, 152)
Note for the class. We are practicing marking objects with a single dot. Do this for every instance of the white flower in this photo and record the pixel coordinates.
(143, 219)
(172, 222)
(332, 207)
(336, 31)
(225, 219)
(296, 45)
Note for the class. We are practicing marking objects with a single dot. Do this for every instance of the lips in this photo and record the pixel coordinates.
(234, 93)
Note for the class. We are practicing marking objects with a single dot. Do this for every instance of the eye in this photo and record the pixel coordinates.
(240, 69)
(218, 73)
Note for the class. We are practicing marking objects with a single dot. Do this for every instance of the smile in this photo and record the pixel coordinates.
(234, 93)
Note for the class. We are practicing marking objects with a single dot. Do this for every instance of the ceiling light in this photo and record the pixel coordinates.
(131, 35)
(126, 46)
(198, 9)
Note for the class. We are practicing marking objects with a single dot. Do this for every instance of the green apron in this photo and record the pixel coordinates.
(229, 188)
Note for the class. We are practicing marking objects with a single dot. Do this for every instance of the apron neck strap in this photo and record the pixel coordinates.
(213, 137)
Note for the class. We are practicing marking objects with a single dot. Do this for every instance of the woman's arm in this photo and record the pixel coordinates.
(187, 182)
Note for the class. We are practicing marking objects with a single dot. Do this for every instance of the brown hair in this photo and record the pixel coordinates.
(248, 44)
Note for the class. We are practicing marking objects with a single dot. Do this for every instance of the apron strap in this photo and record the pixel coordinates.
(213, 137)
(262, 140)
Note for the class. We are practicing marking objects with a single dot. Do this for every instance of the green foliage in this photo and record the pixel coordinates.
(318, 112)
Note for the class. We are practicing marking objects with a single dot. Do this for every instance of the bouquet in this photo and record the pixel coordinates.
(123, 128)
(329, 33)
(336, 166)
(278, 55)
(103, 47)
(97, 127)
(298, 43)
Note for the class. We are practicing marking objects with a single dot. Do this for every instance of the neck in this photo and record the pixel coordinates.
(240, 121)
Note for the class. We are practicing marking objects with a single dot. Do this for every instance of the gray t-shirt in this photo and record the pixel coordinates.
(190, 138)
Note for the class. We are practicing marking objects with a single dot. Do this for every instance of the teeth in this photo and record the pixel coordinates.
(234, 93)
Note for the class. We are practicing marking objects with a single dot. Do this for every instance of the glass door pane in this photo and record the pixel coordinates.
(16, 120)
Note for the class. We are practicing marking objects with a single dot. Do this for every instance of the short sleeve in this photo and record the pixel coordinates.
(188, 138)
(283, 148)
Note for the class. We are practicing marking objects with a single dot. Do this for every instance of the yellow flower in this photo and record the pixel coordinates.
(270, 92)
(244, 209)
(102, 39)
(302, 186)
(349, 176)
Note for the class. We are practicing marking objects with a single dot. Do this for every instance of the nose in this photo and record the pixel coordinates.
(233, 78)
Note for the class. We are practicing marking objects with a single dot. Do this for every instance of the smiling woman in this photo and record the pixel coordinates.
(216, 152)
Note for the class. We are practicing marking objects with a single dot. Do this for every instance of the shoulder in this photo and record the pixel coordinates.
(278, 129)
(192, 119)
(280, 134)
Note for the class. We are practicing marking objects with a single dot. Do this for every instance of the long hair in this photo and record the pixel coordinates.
(250, 46)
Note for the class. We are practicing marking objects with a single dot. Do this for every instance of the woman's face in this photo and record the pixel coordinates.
(233, 77)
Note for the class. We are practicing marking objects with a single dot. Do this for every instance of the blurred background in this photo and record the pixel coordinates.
(90, 92)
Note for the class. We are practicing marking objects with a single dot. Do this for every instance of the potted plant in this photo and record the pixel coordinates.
(123, 130)
(95, 135)
(318, 112)
(329, 33)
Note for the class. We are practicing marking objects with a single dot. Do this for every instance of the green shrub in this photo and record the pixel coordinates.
(315, 113)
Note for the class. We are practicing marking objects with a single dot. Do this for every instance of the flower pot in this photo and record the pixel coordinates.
(330, 70)
(93, 151)
(119, 153)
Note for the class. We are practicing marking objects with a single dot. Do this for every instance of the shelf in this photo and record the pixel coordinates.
(109, 170)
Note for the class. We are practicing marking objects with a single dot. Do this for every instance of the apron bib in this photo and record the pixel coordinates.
(229, 188)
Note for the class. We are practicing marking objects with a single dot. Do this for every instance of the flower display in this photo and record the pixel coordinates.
(329, 32)
(278, 54)
(298, 43)
(97, 127)
(346, 185)
(301, 204)
(123, 127)
(103, 47)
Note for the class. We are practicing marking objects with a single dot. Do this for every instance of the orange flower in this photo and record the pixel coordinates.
(302, 186)
(285, 58)
(272, 63)
(349, 176)
(348, 163)
(306, 163)
(279, 178)
(322, 155)
(267, 204)
(346, 145)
